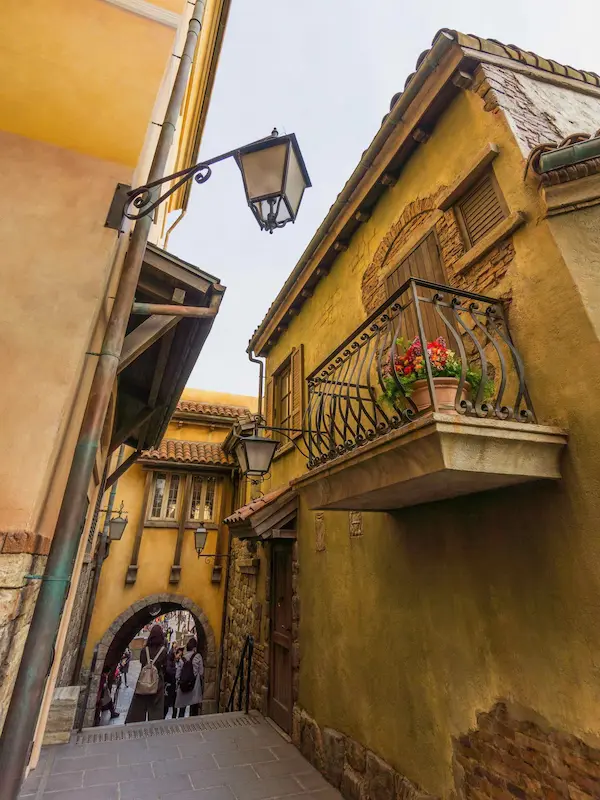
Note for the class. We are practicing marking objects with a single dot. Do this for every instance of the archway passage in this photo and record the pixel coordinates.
(133, 619)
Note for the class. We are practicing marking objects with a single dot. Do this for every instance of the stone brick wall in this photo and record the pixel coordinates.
(247, 613)
(357, 772)
(20, 554)
(509, 757)
(65, 674)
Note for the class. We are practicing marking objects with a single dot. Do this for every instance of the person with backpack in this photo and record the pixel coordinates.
(148, 698)
(189, 684)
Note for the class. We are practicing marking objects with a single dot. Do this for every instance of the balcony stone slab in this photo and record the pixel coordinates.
(435, 457)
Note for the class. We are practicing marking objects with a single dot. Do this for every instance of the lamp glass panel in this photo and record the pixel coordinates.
(259, 454)
(117, 527)
(295, 183)
(200, 537)
(264, 170)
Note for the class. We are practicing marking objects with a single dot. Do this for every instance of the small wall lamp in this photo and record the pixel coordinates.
(200, 537)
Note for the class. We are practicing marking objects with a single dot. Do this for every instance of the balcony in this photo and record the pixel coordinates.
(391, 423)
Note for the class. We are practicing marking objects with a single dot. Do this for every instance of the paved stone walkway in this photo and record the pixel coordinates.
(218, 757)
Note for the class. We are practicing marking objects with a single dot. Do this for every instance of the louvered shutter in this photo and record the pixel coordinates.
(480, 210)
(297, 379)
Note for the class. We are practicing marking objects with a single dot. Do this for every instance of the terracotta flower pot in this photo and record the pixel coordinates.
(445, 392)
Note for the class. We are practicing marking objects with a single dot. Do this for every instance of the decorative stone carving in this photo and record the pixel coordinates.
(355, 523)
(320, 532)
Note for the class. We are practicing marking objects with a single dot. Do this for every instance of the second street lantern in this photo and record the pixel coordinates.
(275, 178)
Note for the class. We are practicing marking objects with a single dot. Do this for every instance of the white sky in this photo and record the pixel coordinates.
(326, 71)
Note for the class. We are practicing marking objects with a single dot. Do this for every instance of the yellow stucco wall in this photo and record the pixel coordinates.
(439, 610)
(158, 544)
(71, 64)
(56, 262)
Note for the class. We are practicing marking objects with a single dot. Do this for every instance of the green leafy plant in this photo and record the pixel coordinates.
(409, 367)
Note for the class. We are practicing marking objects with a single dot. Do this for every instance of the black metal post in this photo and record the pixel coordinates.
(250, 651)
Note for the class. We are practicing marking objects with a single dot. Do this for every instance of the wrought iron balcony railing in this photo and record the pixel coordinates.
(382, 376)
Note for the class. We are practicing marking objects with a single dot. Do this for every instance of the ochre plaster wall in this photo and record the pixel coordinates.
(98, 52)
(55, 266)
(158, 544)
(436, 612)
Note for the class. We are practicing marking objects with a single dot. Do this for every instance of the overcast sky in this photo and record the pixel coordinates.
(326, 71)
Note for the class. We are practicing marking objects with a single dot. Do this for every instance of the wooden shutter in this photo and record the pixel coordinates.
(423, 262)
(297, 381)
(269, 401)
(480, 210)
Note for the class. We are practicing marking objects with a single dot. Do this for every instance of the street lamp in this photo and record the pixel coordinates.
(200, 537)
(255, 454)
(273, 172)
(117, 525)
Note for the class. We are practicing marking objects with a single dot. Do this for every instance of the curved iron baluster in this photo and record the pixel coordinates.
(346, 442)
(406, 413)
(524, 414)
(363, 402)
(360, 432)
(380, 426)
(326, 403)
(481, 408)
(455, 306)
(502, 412)
(333, 401)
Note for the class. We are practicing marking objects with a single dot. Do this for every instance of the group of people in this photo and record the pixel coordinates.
(171, 677)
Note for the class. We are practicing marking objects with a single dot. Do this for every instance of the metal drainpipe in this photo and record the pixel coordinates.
(101, 553)
(26, 698)
(261, 377)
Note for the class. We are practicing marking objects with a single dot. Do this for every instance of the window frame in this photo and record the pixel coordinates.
(169, 475)
(173, 522)
(204, 477)
(292, 366)
(488, 175)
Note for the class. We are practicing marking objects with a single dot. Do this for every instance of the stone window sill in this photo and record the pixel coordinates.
(504, 229)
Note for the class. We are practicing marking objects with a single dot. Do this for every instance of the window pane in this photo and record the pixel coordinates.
(172, 501)
(159, 493)
(209, 503)
(195, 509)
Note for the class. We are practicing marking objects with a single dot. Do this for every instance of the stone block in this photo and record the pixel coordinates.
(10, 603)
(295, 608)
(61, 718)
(310, 741)
(381, 781)
(13, 566)
(334, 748)
(356, 755)
(353, 786)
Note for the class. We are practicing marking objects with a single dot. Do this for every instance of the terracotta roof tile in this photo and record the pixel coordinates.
(188, 453)
(243, 513)
(212, 409)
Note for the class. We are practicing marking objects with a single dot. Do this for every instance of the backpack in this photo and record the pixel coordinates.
(187, 679)
(149, 678)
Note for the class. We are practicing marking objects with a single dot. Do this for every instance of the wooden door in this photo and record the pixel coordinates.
(280, 683)
(423, 262)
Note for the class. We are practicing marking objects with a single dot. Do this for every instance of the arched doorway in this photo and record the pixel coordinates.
(133, 619)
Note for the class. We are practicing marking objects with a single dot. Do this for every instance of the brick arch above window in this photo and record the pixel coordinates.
(417, 214)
